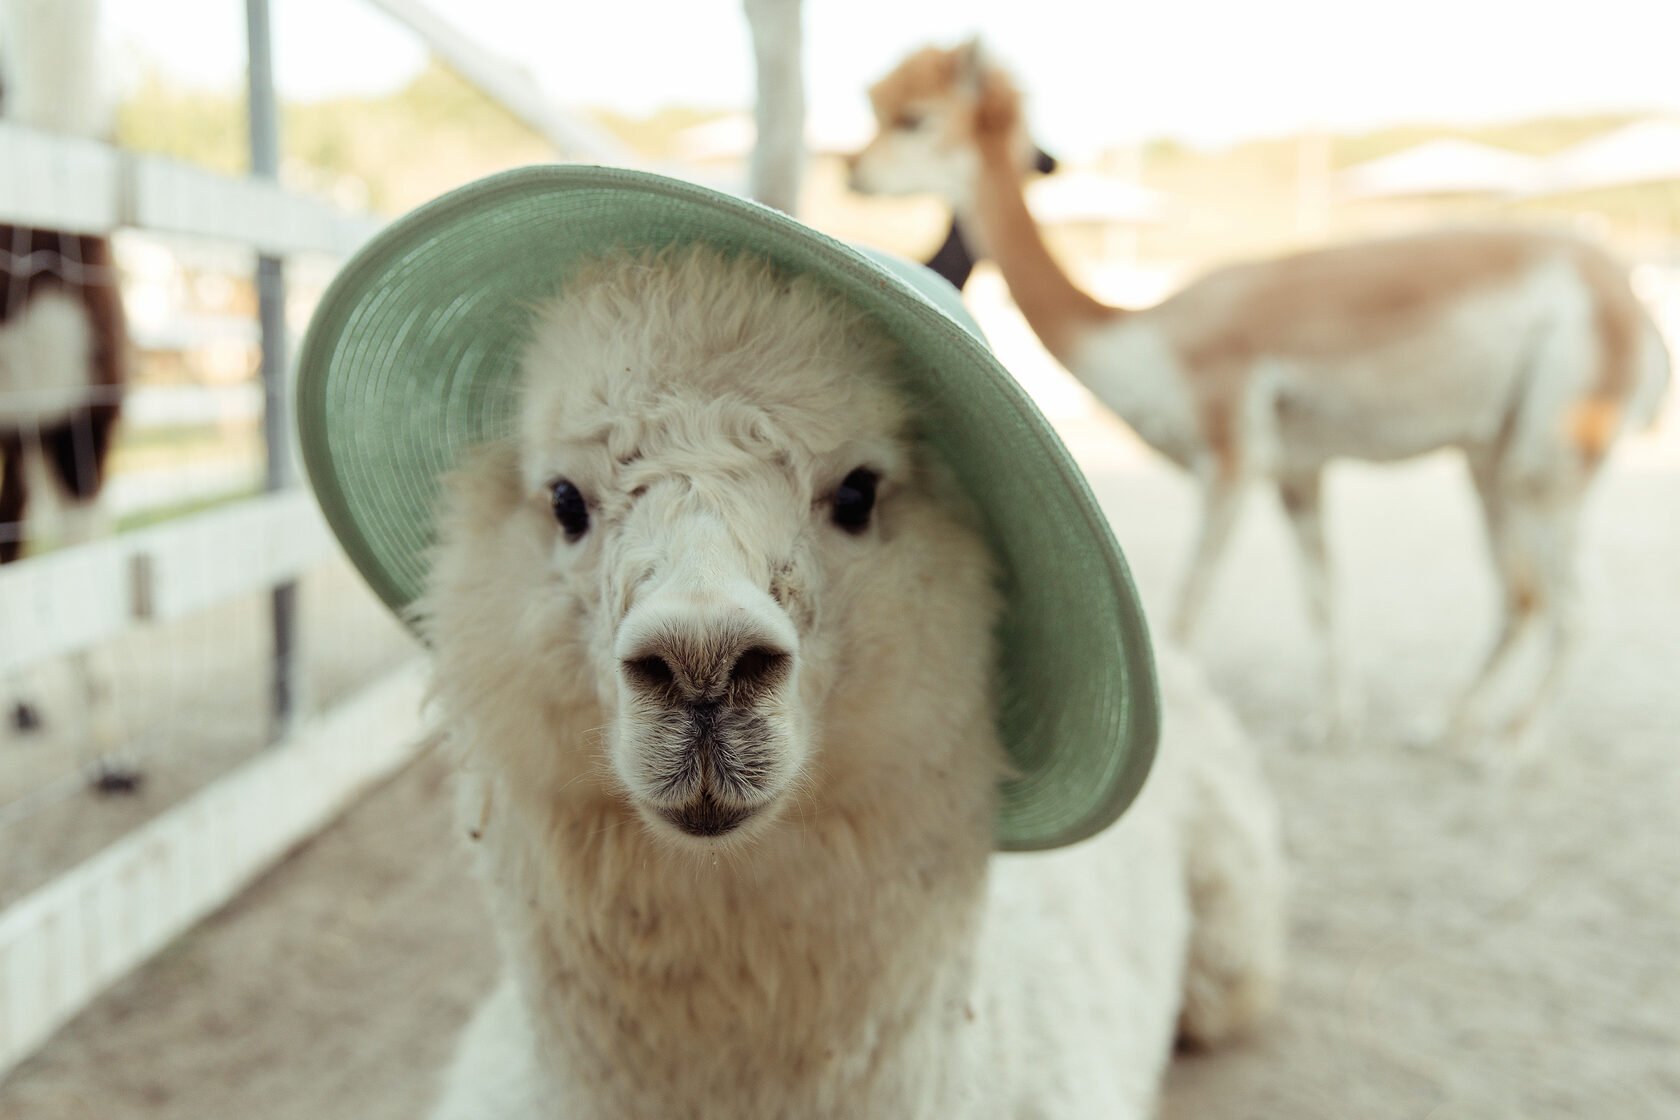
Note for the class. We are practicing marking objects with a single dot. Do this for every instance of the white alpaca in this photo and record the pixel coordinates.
(730, 761)
(1527, 350)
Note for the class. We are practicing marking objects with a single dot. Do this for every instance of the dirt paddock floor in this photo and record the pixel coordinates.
(190, 698)
(1467, 945)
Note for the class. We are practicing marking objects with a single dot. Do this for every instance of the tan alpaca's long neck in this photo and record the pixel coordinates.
(1057, 309)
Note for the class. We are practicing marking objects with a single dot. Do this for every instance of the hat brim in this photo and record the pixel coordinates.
(412, 357)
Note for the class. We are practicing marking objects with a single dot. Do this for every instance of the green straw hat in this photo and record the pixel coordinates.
(412, 357)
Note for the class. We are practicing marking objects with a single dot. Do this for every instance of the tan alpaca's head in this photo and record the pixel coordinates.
(698, 550)
(933, 114)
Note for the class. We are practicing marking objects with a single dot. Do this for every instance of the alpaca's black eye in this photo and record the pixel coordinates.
(854, 501)
(570, 508)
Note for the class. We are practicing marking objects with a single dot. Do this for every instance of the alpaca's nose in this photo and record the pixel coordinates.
(730, 664)
(708, 676)
(700, 636)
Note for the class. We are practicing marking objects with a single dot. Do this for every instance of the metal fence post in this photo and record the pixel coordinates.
(264, 115)
(778, 158)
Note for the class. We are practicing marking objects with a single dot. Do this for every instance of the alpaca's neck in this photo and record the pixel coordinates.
(1121, 356)
(819, 972)
(1061, 313)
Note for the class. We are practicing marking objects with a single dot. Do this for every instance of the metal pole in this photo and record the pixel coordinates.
(271, 314)
(778, 159)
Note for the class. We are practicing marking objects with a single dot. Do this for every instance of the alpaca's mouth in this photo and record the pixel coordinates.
(705, 817)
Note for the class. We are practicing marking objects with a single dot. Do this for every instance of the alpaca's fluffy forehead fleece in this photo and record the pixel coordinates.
(654, 362)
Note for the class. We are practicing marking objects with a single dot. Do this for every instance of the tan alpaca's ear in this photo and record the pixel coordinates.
(997, 104)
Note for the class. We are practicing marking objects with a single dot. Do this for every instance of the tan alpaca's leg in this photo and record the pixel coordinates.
(1301, 495)
(1550, 535)
(1221, 503)
(1518, 609)
(1533, 531)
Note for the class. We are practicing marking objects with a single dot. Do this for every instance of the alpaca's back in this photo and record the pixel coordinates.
(493, 1075)
(1166, 924)
(1088, 944)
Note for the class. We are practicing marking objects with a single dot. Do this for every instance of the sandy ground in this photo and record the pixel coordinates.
(1464, 945)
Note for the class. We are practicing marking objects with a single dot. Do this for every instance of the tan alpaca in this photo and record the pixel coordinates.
(731, 756)
(1526, 350)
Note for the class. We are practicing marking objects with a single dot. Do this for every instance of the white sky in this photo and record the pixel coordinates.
(1098, 71)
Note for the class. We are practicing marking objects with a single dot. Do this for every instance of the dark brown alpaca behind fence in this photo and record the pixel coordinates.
(72, 444)
(74, 447)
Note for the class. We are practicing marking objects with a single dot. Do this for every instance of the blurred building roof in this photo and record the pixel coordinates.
(1636, 154)
(732, 136)
(727, 137)
(1443, 167)
(1092, 197)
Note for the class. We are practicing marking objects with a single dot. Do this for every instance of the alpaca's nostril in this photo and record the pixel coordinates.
(759, 668)
(705, 665)
(651, 672)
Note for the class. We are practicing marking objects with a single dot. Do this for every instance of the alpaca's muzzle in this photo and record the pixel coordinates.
(705, 816)
(707, 734)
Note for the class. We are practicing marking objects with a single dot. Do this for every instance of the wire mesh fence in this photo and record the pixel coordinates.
(171, 605)
(132, 409)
